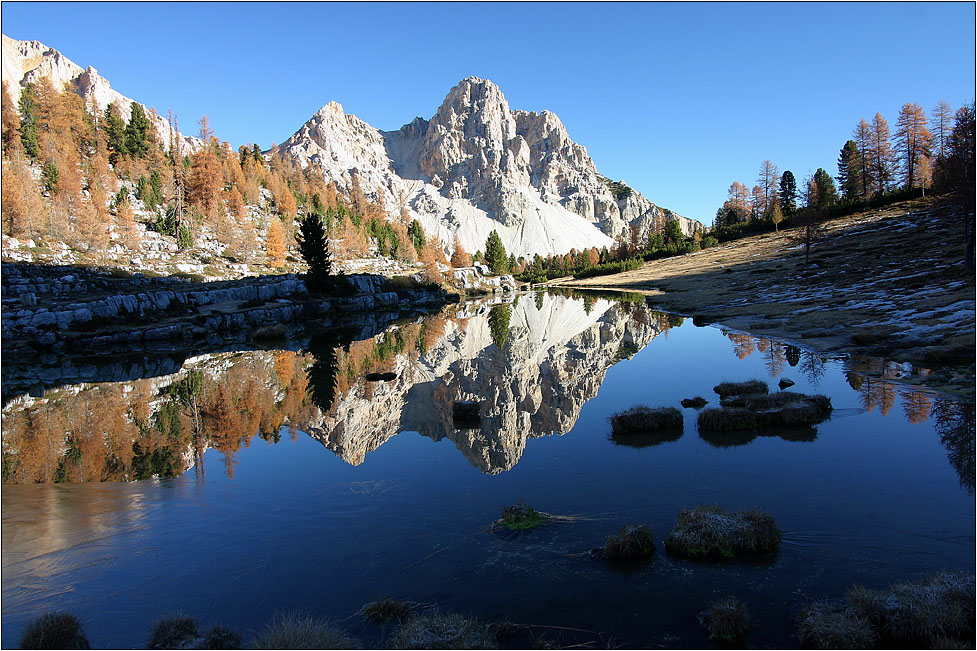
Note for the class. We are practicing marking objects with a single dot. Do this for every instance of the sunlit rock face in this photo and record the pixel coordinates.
(477, 166)
(26, 62)
(555, 353)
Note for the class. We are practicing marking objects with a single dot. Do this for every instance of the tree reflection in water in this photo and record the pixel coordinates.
(954, 423)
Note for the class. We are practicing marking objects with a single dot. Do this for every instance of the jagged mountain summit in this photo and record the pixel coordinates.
(478, 165)
(27, 62)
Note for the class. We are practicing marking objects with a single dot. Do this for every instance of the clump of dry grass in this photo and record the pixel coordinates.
(695, 403)
(822, 625)
(938, 613)
(641, 419)
(727, 619)
(442, 631)
(173, 631)
(630, 543)
(711, 532)
(726, 389)
(54, 631)
(385, 610)
(292, 631)
(220, 637)
(784, 409)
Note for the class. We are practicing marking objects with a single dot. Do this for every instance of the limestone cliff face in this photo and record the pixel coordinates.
(552, 362)
(26, 62)
(478, 165)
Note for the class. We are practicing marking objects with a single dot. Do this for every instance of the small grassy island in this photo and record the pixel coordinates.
(521, 517)
(713, 533)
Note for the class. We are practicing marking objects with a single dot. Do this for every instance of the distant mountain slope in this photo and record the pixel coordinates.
(25, 62)
(476, 166)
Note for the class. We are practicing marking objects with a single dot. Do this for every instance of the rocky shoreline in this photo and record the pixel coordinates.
(51, 317)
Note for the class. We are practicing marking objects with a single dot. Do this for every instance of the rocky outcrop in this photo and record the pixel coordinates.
(27, 62)
(477, 165)
(120, 321)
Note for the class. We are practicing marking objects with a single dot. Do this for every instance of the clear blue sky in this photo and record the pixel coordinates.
(679, 100)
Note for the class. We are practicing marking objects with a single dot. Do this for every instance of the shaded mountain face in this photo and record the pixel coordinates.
(477, 165)
(26, 62)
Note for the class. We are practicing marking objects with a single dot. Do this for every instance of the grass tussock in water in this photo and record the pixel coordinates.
(750, 387)
(443, 631)
(822, 625)
(727, 619)
(172, 632)
(54, 631)
(695, 403)
(385, 610)
(292, 631)
(784, 409)
(641, 419)
(220, 637)
(521, 516)
(937, 613)
(711, 532)
(630, 543)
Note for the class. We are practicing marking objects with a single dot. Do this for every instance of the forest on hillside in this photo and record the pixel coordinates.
(875, 167)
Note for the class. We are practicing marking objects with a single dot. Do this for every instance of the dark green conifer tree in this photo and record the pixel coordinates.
(788, 193)
(138, 137)
(314, 247)
(416, 232)
(115, 133)
(849, 172)
(28, 121)
(495, 255)
(50, 173)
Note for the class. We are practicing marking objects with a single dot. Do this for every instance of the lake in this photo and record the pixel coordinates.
(276, 477)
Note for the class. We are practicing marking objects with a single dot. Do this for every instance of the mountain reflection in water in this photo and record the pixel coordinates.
(313, 502)
(524, 368)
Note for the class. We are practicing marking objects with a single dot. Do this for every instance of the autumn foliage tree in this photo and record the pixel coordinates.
(275, 243)
(460, 257)
(913, 142)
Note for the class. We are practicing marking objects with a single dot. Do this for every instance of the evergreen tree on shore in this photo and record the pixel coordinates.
(314, 247)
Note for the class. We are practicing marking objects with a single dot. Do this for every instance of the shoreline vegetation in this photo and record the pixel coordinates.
(888, 283)
(936, 612)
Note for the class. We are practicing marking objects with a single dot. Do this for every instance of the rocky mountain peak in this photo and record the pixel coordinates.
(477, 166)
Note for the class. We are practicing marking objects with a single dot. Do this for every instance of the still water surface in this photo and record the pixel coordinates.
(384, 497)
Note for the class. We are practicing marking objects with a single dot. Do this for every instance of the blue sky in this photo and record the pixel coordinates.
(679, 100)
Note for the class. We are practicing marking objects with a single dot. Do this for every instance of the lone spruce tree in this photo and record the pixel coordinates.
(314, 247)
(495, 255)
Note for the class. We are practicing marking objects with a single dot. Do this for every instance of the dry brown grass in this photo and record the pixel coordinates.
(630, 543)
(727, 619)
(936, 613)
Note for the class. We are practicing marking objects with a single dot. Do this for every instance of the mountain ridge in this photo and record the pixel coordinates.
(25, 62)
(478, 165)
(475, 166)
